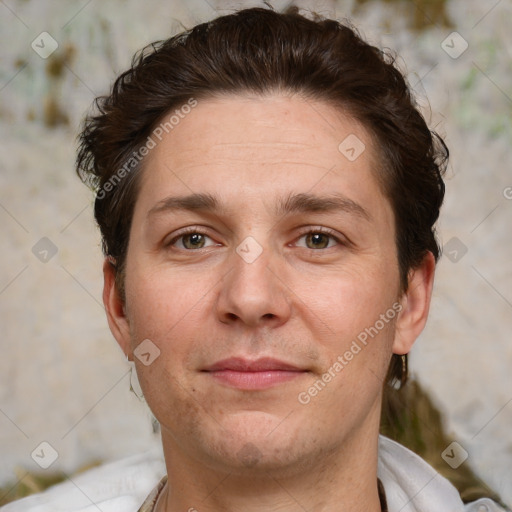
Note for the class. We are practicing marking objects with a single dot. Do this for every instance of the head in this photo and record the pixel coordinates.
(265, 186)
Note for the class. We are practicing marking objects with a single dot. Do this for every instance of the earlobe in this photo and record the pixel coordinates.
(415, 305)
(115, 309)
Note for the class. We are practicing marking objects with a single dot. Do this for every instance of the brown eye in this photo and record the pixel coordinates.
(317, 240)
(193, 241)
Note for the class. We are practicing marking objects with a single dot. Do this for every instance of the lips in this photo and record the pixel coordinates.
(253, 375)
(239, 364)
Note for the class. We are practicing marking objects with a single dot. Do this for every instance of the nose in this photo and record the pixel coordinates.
(252, 293)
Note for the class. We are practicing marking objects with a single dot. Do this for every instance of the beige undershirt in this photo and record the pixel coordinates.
(150, 501)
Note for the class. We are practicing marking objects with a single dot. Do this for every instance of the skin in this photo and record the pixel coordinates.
(303, 300)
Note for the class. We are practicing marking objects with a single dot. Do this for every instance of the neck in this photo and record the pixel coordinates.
(343, 480)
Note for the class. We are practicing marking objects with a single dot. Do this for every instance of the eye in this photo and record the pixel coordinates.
(318, 240)
(192, 240)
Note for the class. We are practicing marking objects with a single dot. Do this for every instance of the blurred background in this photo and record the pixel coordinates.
(65, 382)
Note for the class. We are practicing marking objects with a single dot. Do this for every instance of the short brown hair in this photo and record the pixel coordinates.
(259, 50)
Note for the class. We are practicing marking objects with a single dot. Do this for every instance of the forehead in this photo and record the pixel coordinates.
(246, 147)
(262, 126)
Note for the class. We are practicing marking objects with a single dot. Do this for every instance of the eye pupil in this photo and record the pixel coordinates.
(317, 240)
(193, 240)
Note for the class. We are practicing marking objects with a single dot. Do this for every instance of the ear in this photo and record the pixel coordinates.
(116, 316)
(415, 305)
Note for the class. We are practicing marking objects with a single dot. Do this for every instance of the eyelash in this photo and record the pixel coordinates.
(195, 230)
(324, 231)
(186, 231)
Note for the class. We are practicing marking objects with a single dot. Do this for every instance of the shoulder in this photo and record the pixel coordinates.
(121, 485)
(412, 485)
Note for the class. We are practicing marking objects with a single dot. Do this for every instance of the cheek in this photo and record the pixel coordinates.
(353, 316)
(173, 311)
(348, 301)
(175, 402)
(355, 326)
(164, 309)
(160, 303)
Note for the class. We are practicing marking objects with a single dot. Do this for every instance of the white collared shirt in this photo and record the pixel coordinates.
(410, 484)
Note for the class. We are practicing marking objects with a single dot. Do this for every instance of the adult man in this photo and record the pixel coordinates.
(267, 194)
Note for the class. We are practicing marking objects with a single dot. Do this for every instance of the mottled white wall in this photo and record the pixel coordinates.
(64, 381)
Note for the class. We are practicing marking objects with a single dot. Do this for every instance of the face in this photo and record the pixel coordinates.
(262, 268)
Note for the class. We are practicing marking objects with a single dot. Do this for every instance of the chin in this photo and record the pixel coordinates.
(252, 441)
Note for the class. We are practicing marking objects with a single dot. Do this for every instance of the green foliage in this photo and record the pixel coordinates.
(410, 418)
(422, 13)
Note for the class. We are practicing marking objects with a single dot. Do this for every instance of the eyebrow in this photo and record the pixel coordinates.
(192, 202)
(302, 203)
(293, 203)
